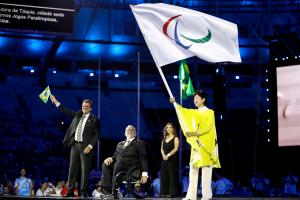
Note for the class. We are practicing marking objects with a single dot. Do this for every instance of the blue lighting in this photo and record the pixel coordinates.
(3, 41)
(92, 48)
(86, 71)
(54, 72)
(91, 74)
(117, 75)
(267, 90)
(237, 77)
(63, 48)
(30, 69)
(35, 45)
(118, 50)
(267, 99)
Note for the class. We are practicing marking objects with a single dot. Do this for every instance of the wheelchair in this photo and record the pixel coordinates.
(127, 184)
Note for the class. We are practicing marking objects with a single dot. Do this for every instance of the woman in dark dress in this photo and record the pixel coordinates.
(169, 163)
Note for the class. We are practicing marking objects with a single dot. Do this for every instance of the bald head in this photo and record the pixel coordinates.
(130, 132)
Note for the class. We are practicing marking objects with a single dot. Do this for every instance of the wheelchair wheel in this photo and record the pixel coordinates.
(134, 185)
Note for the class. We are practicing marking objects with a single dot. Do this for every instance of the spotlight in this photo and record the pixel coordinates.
(116, 75)
(175, 77)
(91, 74)
(268, 110)
(237, 77)
(276, 59)
(267, 89)
(283, 58)
(32, 71)
(269, 140)
(54, 72)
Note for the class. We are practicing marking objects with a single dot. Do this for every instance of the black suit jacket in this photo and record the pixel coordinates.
(134, 153)
(91, 129)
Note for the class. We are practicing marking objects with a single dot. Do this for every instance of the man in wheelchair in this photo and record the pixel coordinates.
(129, 153)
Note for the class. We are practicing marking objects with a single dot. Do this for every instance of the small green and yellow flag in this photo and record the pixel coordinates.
(44, 96)
(185, 79)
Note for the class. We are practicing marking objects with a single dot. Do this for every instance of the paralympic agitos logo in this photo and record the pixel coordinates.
(176, 37)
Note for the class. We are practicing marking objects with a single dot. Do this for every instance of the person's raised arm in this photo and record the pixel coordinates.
(65, 110)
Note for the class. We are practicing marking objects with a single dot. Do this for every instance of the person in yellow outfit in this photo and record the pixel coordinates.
(200, 131)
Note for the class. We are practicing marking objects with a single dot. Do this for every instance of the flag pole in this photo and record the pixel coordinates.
(180, 139)
(184, 126)
(99, 116)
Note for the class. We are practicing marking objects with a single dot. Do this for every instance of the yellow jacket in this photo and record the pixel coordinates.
(204, 147)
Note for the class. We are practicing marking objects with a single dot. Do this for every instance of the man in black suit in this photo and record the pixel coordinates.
(82, 137)
(128, 153)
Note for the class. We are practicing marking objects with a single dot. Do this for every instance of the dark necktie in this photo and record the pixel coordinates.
(80, 127)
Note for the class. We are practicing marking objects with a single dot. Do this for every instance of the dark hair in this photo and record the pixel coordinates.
(88, 101)
(202, 94)
(165, 132)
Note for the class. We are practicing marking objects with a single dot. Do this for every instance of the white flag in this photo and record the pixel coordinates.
(174, 33)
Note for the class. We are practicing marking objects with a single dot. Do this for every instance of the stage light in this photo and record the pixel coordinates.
(268, 130)
(221, 116)
(268, 110)
(62, 123)
(269, 140)
(32, 71)
(91, 74)
(267, 80)
(268, 120)
(237, 77)
(266, 71)
(295, 57)
(267, 99)
(287, 58)
(276, 59)
(116, 75)
(217, 70)
(54, 72)
(283, 58)
(175, 77)
(267, 89)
